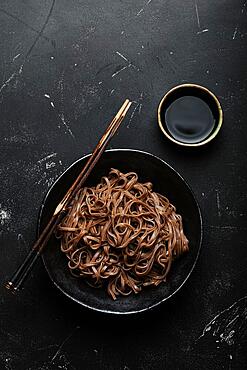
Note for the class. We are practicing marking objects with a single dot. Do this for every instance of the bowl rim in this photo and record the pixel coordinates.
(214, 132)
(132, 311)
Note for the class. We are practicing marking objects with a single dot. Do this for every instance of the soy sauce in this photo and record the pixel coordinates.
(189, 115)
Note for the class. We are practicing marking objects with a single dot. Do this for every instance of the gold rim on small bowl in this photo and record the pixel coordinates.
(205, 91)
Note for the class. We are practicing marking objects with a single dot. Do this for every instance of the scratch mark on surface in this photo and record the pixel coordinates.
(127, 60)
(112, 91)
(47, 96)
(159, 62)
(120, 70)
(227, 227)
(122, 56)
(46, 347)
(229, 323)
(63, 343)
(218, 202)
(197, 15)
(140, 108)
(47, 157)
(103, 68)
(15, 57)
(142, 9)
(22, 22)
(66, 125)
(132, 115)
(6, 83)
(52, 104)
(40, 33)
(232, 321)
(235, 33)
(203, 31)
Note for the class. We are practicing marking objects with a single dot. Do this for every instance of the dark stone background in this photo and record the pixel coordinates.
(62, 77)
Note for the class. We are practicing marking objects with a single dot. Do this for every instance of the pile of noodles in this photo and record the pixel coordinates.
(121, 235)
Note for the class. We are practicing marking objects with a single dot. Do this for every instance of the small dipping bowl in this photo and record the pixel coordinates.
(190, 115)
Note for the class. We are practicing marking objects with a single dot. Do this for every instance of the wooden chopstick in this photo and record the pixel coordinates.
(100, 147)
(22, 272)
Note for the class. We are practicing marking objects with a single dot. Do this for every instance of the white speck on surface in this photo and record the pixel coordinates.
(203, 194)
(235, 33)
(52, 104)
(228, 337)
(142, 46)
(47, 96)
(242, 10)
(42, 177)
(95, 351)
(15, 57)
(197, 15)
(52, 57)
(207, 71)
(47, 157)
(5, 215)
(60, 162)
(112, 91)
(171, 52)
(50, 165)
(20, 69)
(49, 181)
(230, 356)
(21, 241)
(75, 64)
(202, 31)
(122, 32)
(100, 82)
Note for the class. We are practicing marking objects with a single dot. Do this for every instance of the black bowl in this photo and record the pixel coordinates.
(166, 181)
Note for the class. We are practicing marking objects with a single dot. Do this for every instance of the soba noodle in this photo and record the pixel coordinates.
(121, 235)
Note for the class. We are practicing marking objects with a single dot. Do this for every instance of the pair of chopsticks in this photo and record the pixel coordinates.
(22, 272)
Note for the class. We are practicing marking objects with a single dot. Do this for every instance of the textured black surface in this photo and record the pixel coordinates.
(65, 68)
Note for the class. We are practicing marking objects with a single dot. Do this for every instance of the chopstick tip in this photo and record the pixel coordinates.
(9, 285)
